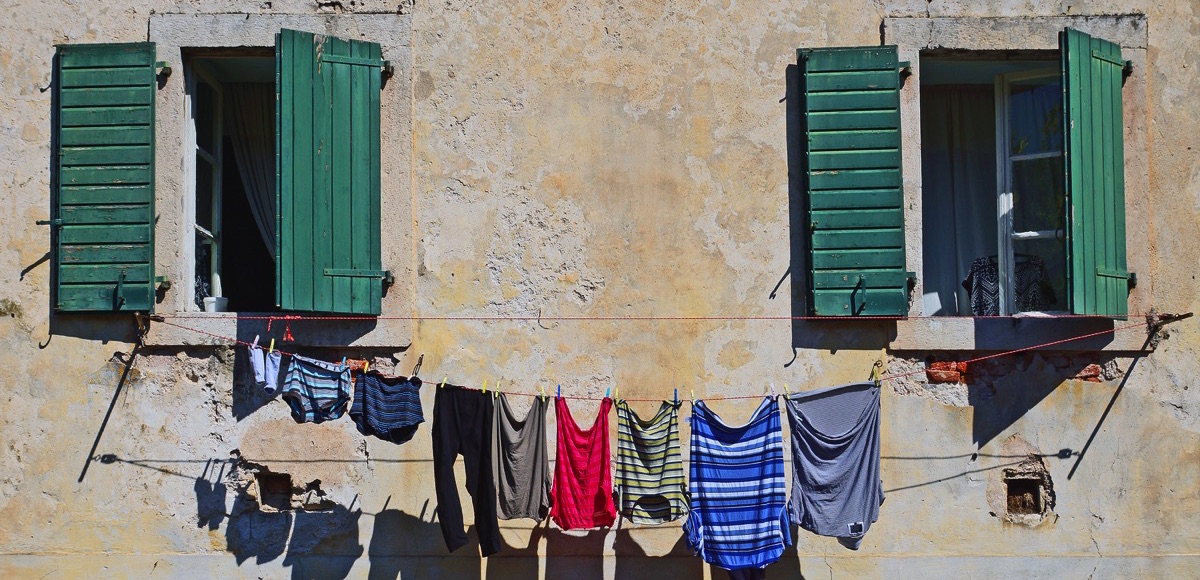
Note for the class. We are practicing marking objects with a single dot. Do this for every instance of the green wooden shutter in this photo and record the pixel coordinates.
(327, 158)
(104, 181)
(1095, 174)
(851, 103)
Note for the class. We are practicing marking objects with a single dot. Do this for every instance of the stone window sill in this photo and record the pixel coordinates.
(964, 333)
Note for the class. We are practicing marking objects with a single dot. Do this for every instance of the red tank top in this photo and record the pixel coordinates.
(582, 489)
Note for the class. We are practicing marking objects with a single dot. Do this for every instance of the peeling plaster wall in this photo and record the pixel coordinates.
(573, 159)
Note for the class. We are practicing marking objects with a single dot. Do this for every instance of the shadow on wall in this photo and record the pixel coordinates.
(577, 554)
(518, 561)
(324, 544)
(632, 561)
(1001, 391)
(315, 544)
(401, 544)
(829, 335)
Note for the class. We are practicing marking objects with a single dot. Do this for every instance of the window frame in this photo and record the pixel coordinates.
(1005, 231)
(914, 35)
(193, 73)
(174, 35)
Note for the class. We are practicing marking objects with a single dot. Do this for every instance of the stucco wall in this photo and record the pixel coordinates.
(607, 159)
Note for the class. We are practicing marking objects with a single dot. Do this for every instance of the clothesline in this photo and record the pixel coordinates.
(728, 397)
(630, 318)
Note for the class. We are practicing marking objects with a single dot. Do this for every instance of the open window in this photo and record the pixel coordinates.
(1020, 215)
(231, 128)
(994, 240)
(1023, 188)
(282, 173)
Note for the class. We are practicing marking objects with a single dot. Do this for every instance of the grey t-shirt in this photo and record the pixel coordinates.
(520, 464)
(836, 489)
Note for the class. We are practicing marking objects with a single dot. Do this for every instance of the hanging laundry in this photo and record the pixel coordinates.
(836, 489)
(1031, 287)
(356, 365)
(387, 407)
(738, 516)
(650, 484)
(582, 475)
(266, 368)
(462, 425)
(316, 390)
(520, 463)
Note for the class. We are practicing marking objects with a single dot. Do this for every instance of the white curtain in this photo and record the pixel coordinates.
(958, 165)
(251, 127)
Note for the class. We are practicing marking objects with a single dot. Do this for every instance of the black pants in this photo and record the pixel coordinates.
(462, 425)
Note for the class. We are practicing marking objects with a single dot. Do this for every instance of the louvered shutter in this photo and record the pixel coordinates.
(851, 104)
(1092, 73)
(327, 156)
(104, 177)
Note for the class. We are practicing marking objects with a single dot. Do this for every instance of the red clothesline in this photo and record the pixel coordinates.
(533, 318)
(882, 378)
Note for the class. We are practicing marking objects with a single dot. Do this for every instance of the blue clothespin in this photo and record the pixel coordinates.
(607, 392)
(560, 391)
(676, 396)
(343, 361)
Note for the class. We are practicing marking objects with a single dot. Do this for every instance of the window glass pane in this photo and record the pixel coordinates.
(203, 282)
(1038, 198)
(1040, 275)
(204, 193)
(1035, 116)
(204, 106)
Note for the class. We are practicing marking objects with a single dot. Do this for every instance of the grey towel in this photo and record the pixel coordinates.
(521, 466)
(836, 489)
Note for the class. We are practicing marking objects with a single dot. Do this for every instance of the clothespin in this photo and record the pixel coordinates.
(676, 396)
(543, 388)
(615, 391)
(271, 348)
(343, 361)
(773, 395)
(875, 372)
(607, 392)
(255, 343)
(496, 391)
(443, 383)
(560, 391)
(366, 365)
(693, 396)
(880, 365)
(485, 386)
(786, 391)
(287, 333)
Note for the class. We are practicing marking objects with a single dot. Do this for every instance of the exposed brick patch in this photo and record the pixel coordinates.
(1091, 373)
(942, 376)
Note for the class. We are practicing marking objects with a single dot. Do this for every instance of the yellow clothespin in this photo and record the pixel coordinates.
(443, 383)
(485, 386)
(880, 365)
(786, 391)
(543, 387)
(496, 391)
(693, 396)
(365, 365)
(271, 348)
(615, 391)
